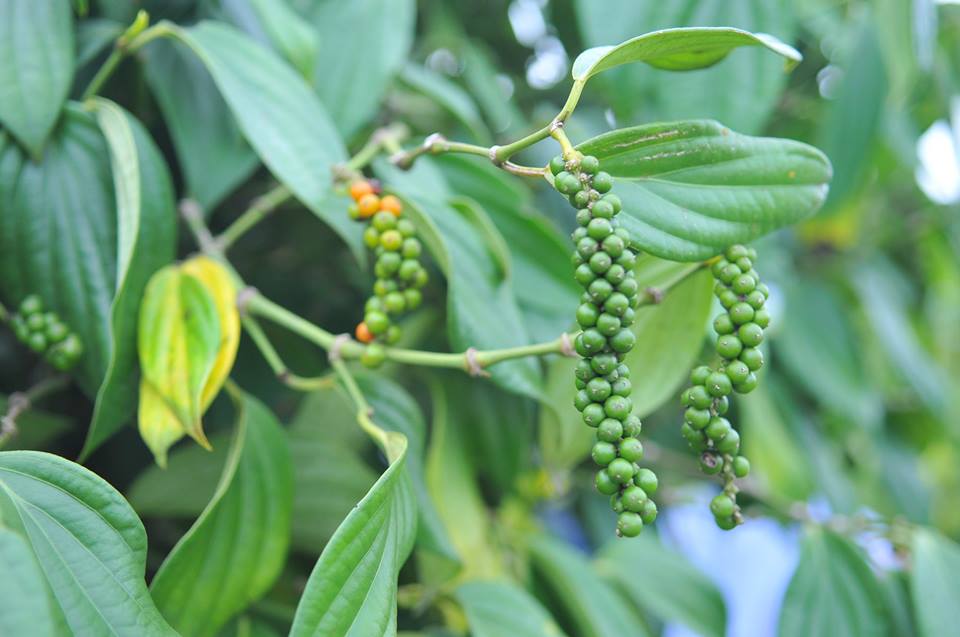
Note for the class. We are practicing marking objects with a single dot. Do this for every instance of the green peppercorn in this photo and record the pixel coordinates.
(601, 262)
(631, 449)
(413, 298)
(722, 506)
(602, 209)
(599, 390)
(698, 418)
(371, 238)
(589, 164)
(411, 248)
(741, 467)
(556, 165)
(377, 322)
(606, 484)
(599, 229)
(632, 427)
(31, 305)
(717, 428)
(710, 463)
(747, 385)
(730, 443)
(633, 498)
(751, 334)
(718, 384)
(646, 480)
(602, 182)
(649, 513)
(753, 358)
(621, 470)
(603, 364)
(700, 398)
(622, 387)
(623, 341)
(617, 407)
(593, 414)
(600, 290)
(37, 341)
(603, 453)
(741, 313)
(391, 240)
(609, 430)
(373, 355)
(729, 346)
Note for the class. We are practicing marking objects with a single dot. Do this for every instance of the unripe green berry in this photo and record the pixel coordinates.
(746, 265)
(726, 524)
(628, 286)
(557, 165)
(601, 262)
(603, 453)
(762, 318)
(600, 290)
(593, 414)
(730, 443)
(614, 201)
(617, 407)
(605, 484)
(730, 273)
(721, 405)
(729, 346)
(743, 284)
(581, 399)
(36, 341)
(747, 385)
(587, 247)
(580, 199)
(616, 503)
(406, 228)
(632, 426)
(718, 428)
(616, 274)
(408, 268)
(589, 164)
(741, 313)
(413, 298)
(373, 355)
(623, 341)
(646, 480)
(583, 370)
(622, 387)
(621, 470)
(628, 317)
(411, 248)
(728, 298)
(583, 217)
(697, 439)
(751, 334)
(578, 234)
(377, 322)
(700, 398)
(623, 370)
(609, 430)
(631, 449)
(614, 246)
(722, 325)
(741, 467)
(384, 221)
(599, 229)
(629, 524)
(736, 251)
(602, 182)
(30, 305)
(584, 275)
(395, 303)
(649, 513)
(699, 375)
(718, 384)
(718, 267)
(710, 463)
(588, 315)
(633, 498)
(737, 371)
(603, 364)
(628, 260)
(698, 418)
(599, 390)
(722, 506)
(753, 358)
(616, 304)
(602, 209)
(756, 299)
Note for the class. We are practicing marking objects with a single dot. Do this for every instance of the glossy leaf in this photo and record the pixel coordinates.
(933, 583)
(279, 25)
(237, 547)
(24, 597)
(36, 67)
(214, 157)
(499, 608)
(593, 607)
(680, 593)
(539, 254)
(178, 343)
(691, 188)
(90, 545)
(741, 92)
(834, 579)
(277, 113)
(344, 56)
(353, 586)
(481, 311)
(449, 96)
(681, 49)
(669, 334)
(146, 235)
(58, 235)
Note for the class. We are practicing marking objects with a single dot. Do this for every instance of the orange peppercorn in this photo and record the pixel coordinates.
(363, 333)
(392, 205)
(368, 205)
(360, 188)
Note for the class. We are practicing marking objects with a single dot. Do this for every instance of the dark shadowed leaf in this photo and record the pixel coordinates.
(500, 608)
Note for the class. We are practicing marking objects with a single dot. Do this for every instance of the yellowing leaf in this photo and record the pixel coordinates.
(178, 343)
(219, 284)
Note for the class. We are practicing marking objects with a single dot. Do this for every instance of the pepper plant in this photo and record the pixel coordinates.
(312, 497)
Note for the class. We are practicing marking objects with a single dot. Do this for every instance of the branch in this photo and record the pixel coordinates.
(20, 402)
(437, 144)
(261, 207)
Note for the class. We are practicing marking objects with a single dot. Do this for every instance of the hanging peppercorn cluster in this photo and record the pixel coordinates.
(740, 332)
(400, 276)
(604, 267)
(46, 334)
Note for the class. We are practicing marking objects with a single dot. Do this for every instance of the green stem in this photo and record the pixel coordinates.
(569, 152)
(260, 209)
(280, 369)
(20, 402)
(127, 44)
(364, 410)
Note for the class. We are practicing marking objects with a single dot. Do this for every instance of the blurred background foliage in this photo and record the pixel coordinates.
(854, 433)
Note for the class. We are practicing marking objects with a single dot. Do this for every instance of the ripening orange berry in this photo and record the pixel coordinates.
(392, 205)
(363, 333)
(368, 205)
(360, 188)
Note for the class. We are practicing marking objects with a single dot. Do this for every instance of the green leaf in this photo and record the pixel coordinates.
(24, 598)
(353, 587)
(146, 241)
(680, 593)
(500, 608)
(36, 67)
(834, 581)
(934, 585)
(742, 92)
(564, 440)
(93, 36)
(448, 95)
(363, 43)
(58, 235)
(540, 255)
(90, 545)
(682, 49)
(669, 334)
(237, 547)
(213, 155)
(594, 608)
(481, 310)
(282, 27)
(691, 188)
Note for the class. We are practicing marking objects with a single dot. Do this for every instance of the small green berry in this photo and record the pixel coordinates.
(699, 375)
(373, 355)
(751, 334)
(646, 480)
(621, 470)
(593, 414)
(610, 430)
(722, 506)
(753, 357)
(633, 498)
(605, 484)
(603, 453)
(718, 384)
(741, 467)
(631, 449)
(602, 182)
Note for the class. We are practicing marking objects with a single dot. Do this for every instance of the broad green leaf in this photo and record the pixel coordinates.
(353, 587)
(36, 67)
(682, 49)
(818, 347)
(481, 310)
(448, 95)
(362, 44)
(93, 36)
(24, 598)
(90, 545)
(237, 547)
(213, 155)
(274, 22)
(58, 235)
(680, 593)
(593, 607)
(276, 111)
(833, 591)
(690, 189)
(934, 585)
(540, 255)
(146, 236)
(742, 92)
(669, 334)
(500, 608)
(178, 342)
(453, 487)
(480, 75)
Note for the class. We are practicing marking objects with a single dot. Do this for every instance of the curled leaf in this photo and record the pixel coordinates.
(178, 343)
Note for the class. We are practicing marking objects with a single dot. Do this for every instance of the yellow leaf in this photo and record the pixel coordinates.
(178, 344)
(219, 284)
